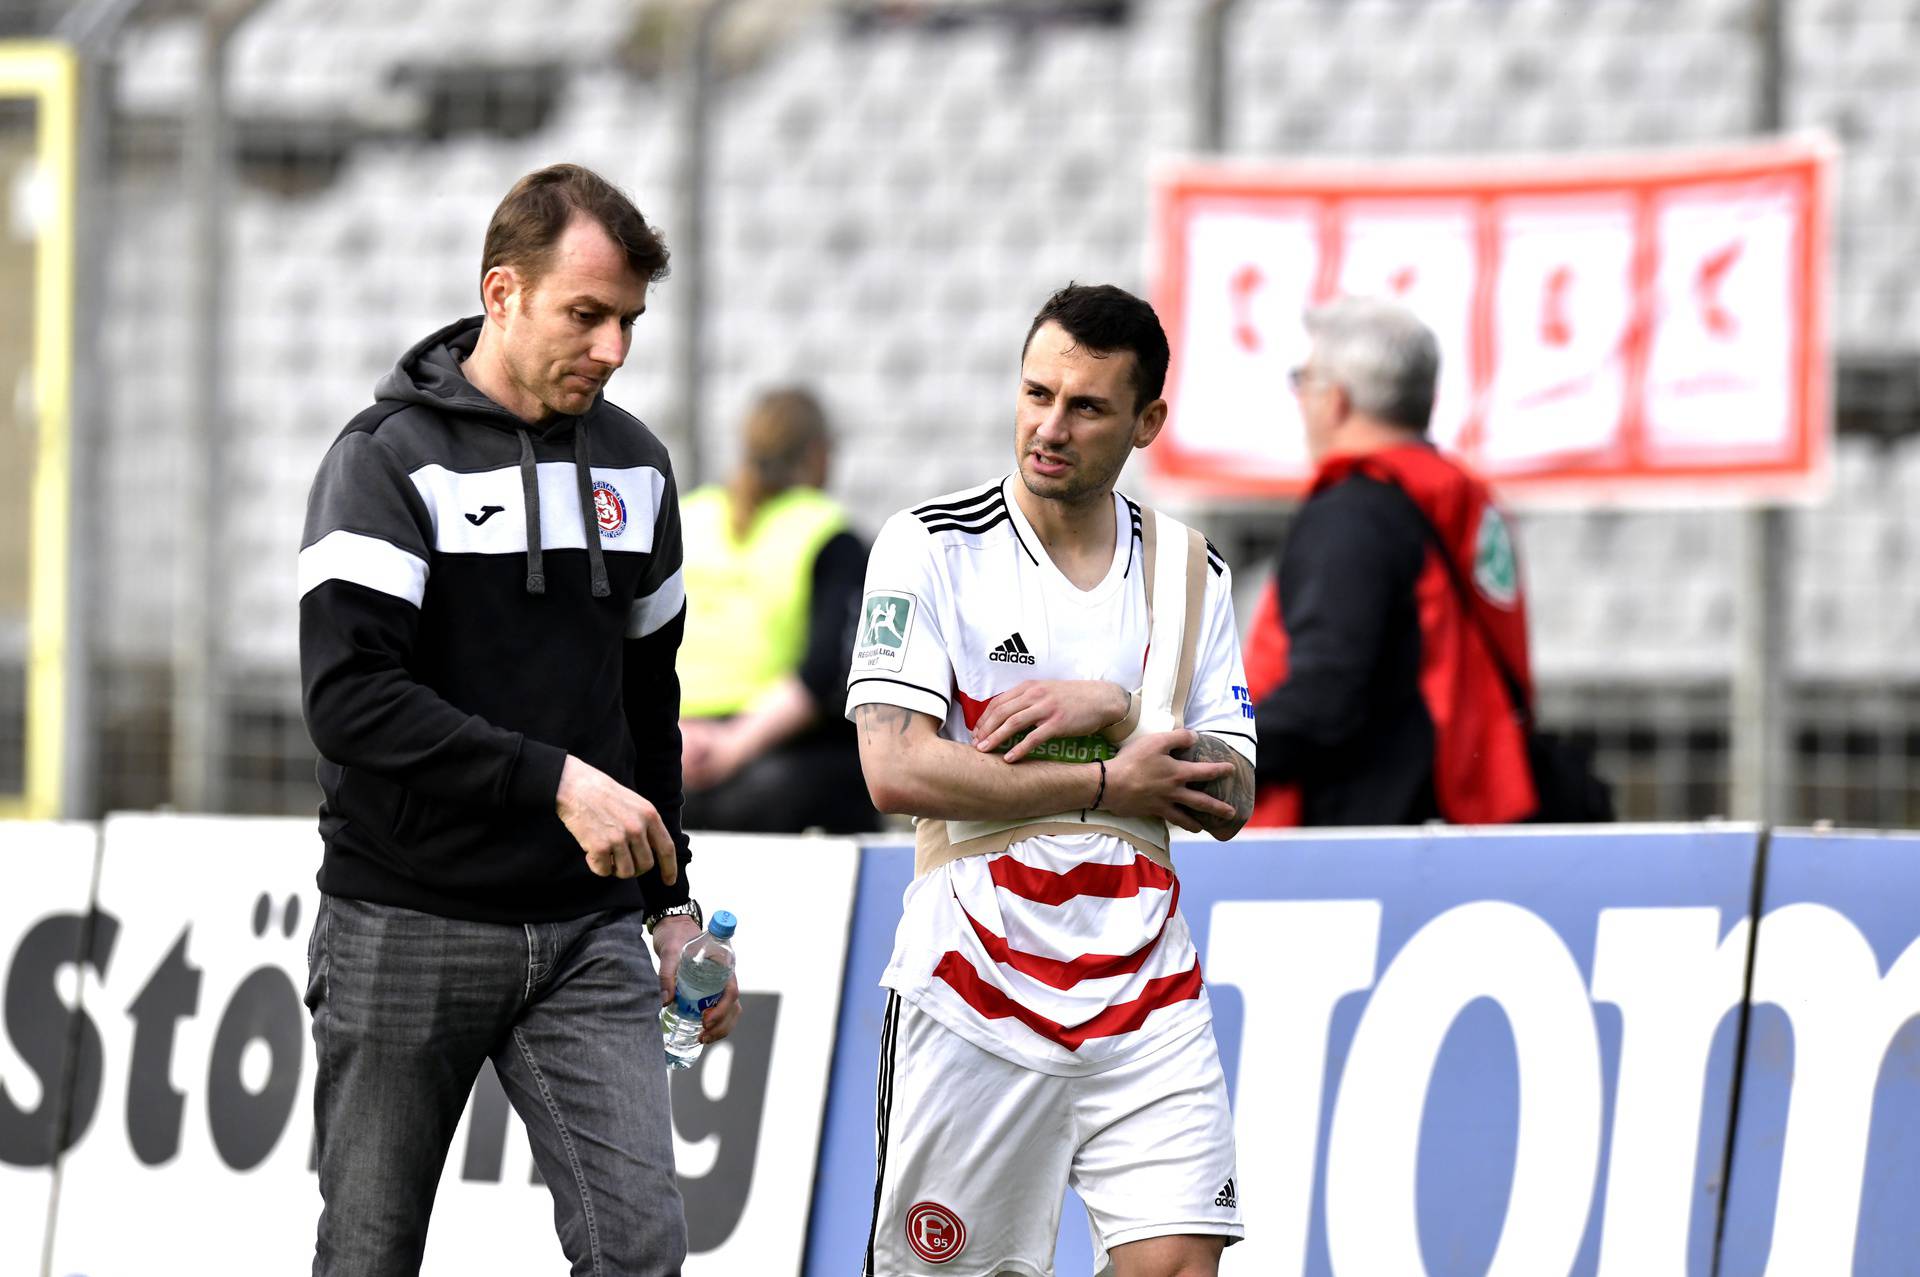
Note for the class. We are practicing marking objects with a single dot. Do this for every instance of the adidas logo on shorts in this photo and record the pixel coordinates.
(1012, 651)
(1226, 1196)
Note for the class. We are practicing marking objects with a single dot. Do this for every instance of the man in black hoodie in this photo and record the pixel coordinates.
(491, 603)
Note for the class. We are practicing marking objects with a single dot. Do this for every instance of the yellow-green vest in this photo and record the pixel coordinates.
(747, 600)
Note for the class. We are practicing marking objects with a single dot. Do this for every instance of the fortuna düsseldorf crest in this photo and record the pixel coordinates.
(608, 509)
(935, 1233)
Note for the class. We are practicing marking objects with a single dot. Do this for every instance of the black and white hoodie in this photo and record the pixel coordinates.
(479, 598)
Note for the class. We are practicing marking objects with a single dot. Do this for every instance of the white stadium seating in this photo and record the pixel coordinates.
(890, 205)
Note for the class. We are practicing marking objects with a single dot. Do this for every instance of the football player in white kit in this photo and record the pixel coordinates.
(1047, 1024)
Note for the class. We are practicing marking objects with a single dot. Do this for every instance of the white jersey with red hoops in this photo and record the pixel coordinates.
(1065, 953)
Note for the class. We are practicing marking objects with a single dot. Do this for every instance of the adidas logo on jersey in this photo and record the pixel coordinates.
(1013, 651)
(1226, 1196)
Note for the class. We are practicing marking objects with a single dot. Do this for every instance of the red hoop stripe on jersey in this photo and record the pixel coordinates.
(1065, 974)
(1054, 972)
(1121, 1017)
(1043, 886)
(970, 709)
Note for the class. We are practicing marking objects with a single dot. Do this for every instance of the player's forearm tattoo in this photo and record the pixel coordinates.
(1235, 788)
(877, 722)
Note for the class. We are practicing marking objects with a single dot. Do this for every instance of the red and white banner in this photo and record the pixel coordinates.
(1648, 327)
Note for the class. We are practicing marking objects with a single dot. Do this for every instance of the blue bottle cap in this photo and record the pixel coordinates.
(722, 923)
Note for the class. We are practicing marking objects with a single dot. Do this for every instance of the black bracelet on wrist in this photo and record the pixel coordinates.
(1102, 792)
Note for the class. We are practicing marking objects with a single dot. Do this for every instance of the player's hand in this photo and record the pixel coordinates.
(620, 832)
(670, 936)
(726, 754)
(697, 737)
(1145, 779)
(1046, 709)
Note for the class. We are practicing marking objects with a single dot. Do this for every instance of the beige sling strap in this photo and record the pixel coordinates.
(1174, 574)
(933, 847)
(1174, 560)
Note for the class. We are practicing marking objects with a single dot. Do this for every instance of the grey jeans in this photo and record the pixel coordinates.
(406, 1007)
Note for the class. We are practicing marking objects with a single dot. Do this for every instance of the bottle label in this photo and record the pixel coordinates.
(691, 1010)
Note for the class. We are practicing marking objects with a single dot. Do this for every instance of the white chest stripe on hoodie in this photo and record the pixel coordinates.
(482, 512)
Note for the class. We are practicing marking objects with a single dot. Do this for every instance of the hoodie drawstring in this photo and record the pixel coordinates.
(589, 516)
(530, 500)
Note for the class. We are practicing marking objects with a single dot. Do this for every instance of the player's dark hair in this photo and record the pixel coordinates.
(533, 216)
(1104, 319)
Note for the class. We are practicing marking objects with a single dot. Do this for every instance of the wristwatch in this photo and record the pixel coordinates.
(689, 907)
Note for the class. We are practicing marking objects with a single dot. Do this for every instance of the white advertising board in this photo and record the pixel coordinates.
(46, 875)
(198, 1157)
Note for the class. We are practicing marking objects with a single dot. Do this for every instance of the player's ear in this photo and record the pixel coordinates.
(498, 290)
(1146, 427)
(1342, 401)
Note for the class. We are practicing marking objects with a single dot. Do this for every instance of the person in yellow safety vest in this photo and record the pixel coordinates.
(773, 576)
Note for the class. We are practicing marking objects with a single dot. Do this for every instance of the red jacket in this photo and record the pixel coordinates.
(1479, 763)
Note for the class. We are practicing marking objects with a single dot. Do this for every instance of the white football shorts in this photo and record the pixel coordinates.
(975, 1153)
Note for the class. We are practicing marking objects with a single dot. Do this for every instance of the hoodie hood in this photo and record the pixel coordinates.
(430, 375)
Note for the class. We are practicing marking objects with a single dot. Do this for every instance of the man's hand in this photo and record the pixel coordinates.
(1051, 708)
(621, 832)
(1234, 789)
(726, 753)
(1147, 778)
(670, 936)
(697, 737)
(709, 751)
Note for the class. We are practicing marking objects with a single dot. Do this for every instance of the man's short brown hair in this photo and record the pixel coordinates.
(533, 216)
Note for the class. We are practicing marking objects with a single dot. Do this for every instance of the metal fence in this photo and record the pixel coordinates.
(873, 197)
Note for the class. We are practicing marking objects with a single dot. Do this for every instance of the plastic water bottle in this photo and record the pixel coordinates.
(705, 964)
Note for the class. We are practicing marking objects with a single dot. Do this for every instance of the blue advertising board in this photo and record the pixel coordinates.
(1451, 1052)
(1826, 1155)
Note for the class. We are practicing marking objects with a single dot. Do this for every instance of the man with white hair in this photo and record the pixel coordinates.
(1388, 661)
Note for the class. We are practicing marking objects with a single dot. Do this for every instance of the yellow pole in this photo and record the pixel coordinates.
(48, 73)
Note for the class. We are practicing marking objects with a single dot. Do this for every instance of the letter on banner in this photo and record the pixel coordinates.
(1292, 961)
(1249, 276)
(1725, 322)
(1815, 965)
(1422, 253)
(1489, 949)
(1564, 315)
(1674, 980)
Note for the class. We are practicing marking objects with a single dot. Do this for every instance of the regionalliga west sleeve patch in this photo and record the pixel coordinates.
(886, 618)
